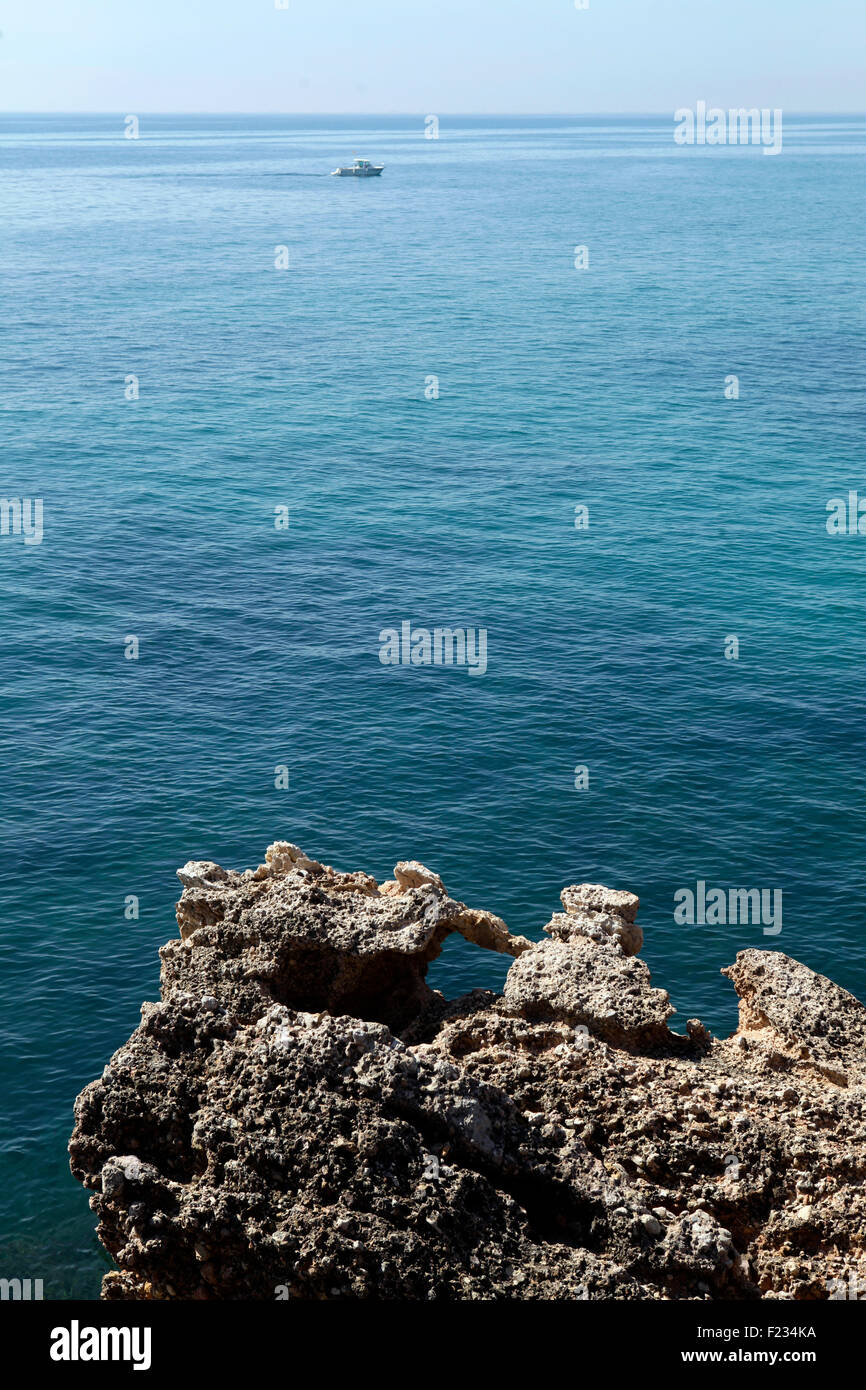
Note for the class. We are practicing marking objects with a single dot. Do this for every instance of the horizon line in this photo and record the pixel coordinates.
(373, 115)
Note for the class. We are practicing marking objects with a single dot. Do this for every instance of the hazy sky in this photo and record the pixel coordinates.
(430, 55)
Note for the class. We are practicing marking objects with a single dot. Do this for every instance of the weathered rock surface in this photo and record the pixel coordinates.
(302, 1116)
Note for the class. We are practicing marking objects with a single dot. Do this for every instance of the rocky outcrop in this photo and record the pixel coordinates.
(301, 1116)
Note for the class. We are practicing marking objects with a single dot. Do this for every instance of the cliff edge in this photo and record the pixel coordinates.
(301, 1116)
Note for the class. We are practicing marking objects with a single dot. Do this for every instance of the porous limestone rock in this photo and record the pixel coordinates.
(301, 1116)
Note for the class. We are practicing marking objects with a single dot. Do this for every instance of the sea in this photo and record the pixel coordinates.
(560, 381)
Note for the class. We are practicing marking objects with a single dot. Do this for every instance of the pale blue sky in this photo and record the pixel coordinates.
(430, 55)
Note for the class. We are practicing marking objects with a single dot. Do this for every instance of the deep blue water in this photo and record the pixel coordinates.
(304, 388)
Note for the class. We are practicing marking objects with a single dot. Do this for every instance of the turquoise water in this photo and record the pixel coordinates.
(305, 388)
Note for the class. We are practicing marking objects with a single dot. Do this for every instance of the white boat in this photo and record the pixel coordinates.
(360, 169)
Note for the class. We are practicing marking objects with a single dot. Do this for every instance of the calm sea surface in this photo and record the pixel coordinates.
(304, 388)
